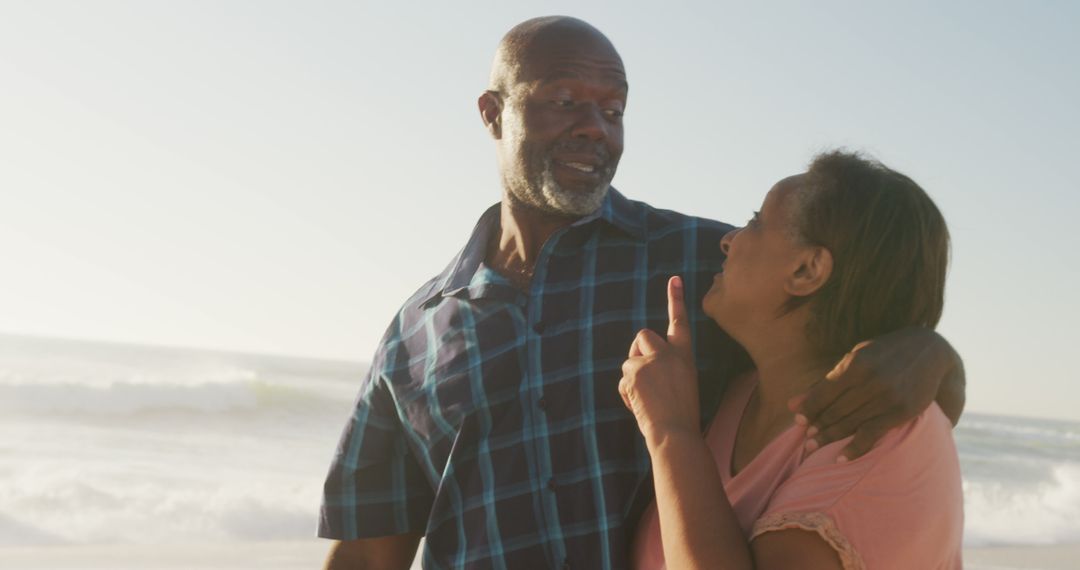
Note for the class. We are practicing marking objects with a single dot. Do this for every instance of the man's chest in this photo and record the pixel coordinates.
(497, 367)
(510, 364)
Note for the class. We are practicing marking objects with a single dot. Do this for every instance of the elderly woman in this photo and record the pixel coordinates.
(848, 251)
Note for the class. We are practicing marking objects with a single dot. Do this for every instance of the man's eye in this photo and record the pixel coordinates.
(563, 102)
(614, 112)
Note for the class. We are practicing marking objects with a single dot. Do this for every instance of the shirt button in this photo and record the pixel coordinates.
(539, 327)
(541, 403)
(551, 485)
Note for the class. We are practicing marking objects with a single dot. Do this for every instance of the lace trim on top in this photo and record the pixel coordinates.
(820, 523)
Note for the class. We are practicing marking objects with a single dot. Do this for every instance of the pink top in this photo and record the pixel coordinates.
(899, 506)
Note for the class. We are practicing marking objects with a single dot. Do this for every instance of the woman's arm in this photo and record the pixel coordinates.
(659, 384)
(698, 528)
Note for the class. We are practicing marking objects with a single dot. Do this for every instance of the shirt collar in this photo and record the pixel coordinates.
(621, 212)
(616, 209)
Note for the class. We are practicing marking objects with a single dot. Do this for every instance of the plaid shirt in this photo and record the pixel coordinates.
(490, 419)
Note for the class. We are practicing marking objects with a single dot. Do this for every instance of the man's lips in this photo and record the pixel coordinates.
(580, 166)
(585, 164)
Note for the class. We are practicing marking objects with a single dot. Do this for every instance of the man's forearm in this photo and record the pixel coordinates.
(952, 393)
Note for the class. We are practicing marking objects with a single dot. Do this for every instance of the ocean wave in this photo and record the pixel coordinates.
(1033, 430)
(102, 374)
(135, 396)
(15, 533)
(62, 506)
(997, 514)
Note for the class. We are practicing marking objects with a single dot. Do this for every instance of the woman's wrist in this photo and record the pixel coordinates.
(657, 438)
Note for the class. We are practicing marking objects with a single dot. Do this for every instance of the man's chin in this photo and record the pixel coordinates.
(571, 201)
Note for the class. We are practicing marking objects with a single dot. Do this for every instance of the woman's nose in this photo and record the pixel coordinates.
(725, 242)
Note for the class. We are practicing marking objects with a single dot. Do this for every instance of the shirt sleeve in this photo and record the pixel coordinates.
(898, 506)
(375, 486)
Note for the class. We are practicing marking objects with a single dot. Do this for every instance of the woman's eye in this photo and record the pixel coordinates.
(563, 102)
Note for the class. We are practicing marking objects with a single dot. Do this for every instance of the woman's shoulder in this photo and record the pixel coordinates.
(910, 481)
(916, 457)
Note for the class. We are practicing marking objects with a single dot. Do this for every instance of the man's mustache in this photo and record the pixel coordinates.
(600, 151)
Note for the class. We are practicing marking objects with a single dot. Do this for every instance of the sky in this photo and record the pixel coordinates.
(279, 177)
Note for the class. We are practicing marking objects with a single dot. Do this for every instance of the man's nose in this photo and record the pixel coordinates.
(591, 123)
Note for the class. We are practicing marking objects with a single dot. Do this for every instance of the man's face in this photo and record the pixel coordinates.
(562, 131)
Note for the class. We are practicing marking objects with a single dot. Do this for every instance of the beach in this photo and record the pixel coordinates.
(124, 457)
(1054, 557)
(306, 554)
(271, 555)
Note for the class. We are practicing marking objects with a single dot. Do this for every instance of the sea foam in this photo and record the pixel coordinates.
(1045, 513)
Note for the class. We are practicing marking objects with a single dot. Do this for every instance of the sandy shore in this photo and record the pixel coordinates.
(308, 554)
(1055, 557)
(273, 555)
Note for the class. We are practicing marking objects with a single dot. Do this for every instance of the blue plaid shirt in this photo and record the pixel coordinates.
(490, 419)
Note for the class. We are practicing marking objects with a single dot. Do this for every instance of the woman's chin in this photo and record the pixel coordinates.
(728, 320)
(716, 315)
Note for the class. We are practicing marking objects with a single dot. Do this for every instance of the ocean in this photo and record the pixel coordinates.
(115, 444)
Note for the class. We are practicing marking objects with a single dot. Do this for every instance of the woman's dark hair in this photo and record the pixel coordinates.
(890, 249)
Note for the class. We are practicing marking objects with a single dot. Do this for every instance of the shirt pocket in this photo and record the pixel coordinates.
(457, 385)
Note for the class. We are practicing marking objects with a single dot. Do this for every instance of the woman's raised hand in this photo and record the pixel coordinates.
(659, 383)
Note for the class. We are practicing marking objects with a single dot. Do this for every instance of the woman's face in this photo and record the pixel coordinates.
(761, 259)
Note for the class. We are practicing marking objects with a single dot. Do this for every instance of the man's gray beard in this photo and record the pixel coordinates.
(549, 196)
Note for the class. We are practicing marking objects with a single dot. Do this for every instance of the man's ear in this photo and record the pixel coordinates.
(491, 105)
(815, 267)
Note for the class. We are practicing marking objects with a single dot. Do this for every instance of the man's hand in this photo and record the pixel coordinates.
(879, 385)
(659, 383)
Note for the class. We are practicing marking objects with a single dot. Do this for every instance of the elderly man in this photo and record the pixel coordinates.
(490, 422)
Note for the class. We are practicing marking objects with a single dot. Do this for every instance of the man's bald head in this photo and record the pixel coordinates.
(516, 55)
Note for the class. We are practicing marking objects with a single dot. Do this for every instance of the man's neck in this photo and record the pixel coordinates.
(523, 231)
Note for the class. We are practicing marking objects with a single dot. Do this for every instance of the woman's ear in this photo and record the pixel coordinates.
(490, 104)
(815, 267)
